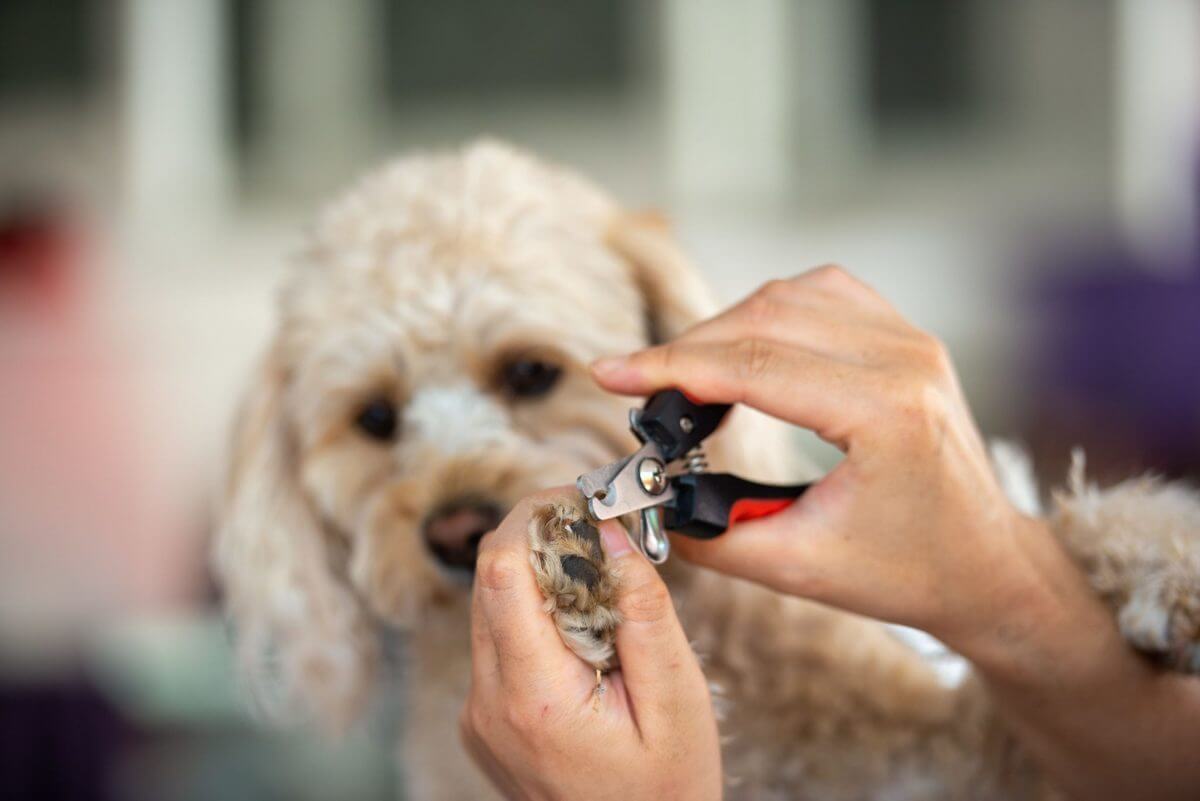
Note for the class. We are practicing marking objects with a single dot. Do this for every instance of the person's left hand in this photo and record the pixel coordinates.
(531, 721)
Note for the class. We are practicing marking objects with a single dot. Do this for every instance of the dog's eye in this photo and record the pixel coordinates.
(377, 419)
(530, 378)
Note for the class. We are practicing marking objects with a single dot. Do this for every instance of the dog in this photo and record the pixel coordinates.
(429, 369)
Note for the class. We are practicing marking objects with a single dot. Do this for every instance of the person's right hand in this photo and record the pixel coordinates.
(912, 526)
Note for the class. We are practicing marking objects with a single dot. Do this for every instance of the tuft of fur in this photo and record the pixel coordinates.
(574, 576)
(1139, 543)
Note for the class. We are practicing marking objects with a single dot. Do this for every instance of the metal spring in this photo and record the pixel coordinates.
(695, 461)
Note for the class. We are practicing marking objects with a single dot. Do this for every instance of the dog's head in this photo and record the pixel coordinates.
(430, 369)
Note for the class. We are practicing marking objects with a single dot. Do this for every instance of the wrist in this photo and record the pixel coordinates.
(1039, 619)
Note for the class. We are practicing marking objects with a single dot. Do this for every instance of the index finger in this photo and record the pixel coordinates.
(824, 394)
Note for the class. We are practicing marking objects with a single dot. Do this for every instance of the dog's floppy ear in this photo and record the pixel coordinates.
(303, 641)
(676, 296)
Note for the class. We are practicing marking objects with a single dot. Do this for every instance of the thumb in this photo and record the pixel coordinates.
(657, 661)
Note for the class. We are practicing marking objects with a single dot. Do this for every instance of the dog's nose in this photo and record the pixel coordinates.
(454, 531)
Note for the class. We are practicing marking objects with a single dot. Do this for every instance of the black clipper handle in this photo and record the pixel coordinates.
(676, 424)
(706, 504)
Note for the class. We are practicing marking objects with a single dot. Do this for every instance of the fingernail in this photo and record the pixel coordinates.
(608, 365)
(616, 541)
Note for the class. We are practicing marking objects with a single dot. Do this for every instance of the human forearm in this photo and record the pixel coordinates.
(1098, 718)
(913, 527)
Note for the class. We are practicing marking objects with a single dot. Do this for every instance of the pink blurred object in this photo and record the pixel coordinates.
(86, 531)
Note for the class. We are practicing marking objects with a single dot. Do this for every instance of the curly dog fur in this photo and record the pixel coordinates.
(420, 288)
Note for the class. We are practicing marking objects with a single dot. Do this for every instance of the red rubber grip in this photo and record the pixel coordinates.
(754, 508)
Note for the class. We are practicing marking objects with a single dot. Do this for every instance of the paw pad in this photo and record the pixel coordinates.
(581, 570)
(573, 575)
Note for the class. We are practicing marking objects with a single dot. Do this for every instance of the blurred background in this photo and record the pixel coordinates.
(1019, 176)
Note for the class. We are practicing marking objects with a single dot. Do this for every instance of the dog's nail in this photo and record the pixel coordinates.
(581, 570)
(616, 541)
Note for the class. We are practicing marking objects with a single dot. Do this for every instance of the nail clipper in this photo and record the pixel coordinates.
(667, 481)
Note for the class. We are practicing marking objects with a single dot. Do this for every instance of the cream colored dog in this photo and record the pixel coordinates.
(430, 369)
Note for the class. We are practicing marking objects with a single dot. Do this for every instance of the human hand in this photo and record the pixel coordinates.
(912, 526)
(531, 721)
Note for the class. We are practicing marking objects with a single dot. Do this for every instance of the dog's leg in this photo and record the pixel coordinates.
(1139, 543)
(576, 579)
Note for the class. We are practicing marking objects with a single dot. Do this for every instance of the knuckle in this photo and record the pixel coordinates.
(667, 357)
(932, 355)
(520, 717)
(923, 409)
(762, 308)
(499, 569)
(646, 602)
(830, 275)
(837, 280)
(473, 721)
(755, 358)
(467, 728)
(776, 289)
(939, 356)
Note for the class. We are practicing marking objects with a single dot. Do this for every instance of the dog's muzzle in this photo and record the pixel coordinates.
(454, 531)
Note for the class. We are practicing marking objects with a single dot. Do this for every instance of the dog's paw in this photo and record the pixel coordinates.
(1162, 618)
(574, 576)
(1139, 545)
